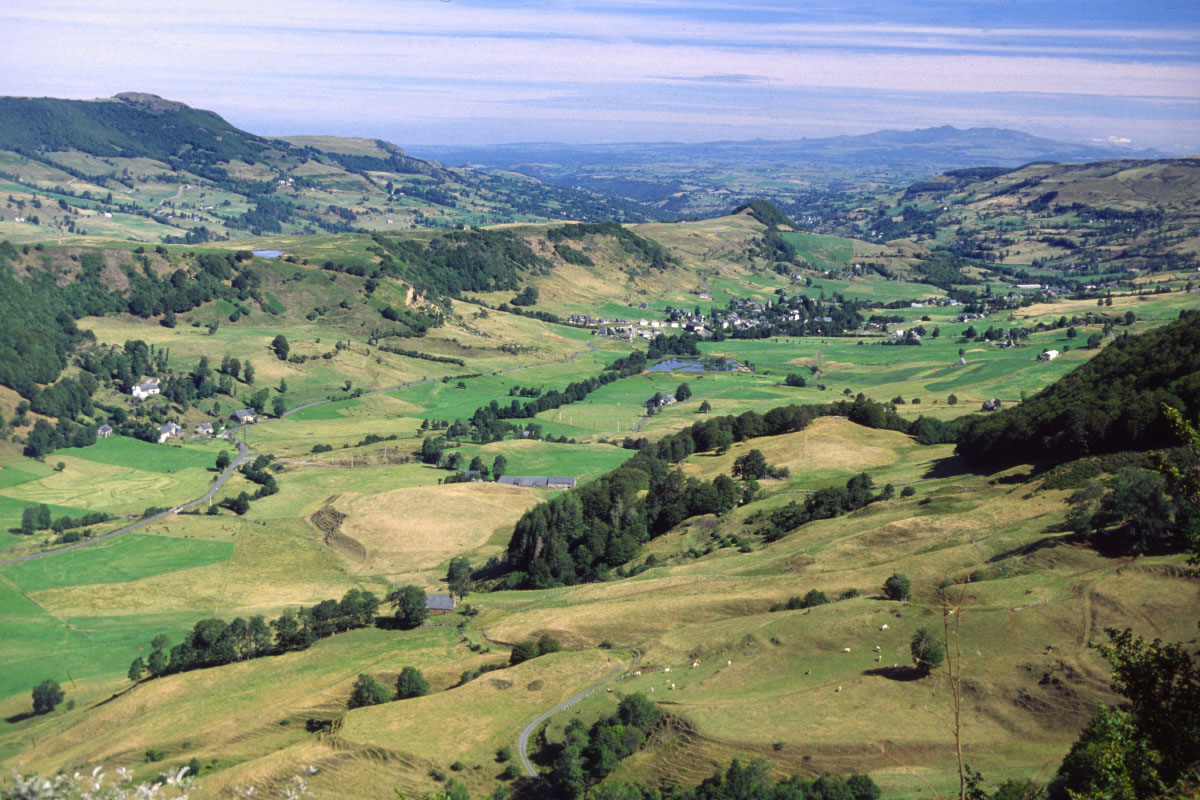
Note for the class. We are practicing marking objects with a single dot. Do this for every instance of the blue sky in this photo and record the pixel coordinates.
(473, 72)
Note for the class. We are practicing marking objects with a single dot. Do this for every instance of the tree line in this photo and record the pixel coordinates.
(213, 642)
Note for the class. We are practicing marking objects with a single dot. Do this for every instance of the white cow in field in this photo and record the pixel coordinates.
(883, 627)
(845, 649)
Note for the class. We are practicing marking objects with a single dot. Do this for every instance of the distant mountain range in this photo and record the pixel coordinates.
(932, 149)
(710, 178)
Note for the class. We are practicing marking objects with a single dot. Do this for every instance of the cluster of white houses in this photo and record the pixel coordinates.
(170, 430)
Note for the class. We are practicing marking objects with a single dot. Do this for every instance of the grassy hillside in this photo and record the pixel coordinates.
(764, 678)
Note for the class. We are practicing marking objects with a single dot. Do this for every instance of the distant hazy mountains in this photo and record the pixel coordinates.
(927, 149)
(712, 177)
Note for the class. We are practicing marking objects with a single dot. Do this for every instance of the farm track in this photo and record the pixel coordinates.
(243, 455)
(523, 740)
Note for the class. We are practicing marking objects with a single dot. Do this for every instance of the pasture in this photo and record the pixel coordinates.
(119, 476)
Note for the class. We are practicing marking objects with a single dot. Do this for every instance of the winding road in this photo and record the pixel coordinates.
(523, 740)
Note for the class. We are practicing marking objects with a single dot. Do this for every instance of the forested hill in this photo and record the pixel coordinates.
(137, 166)
(128, 125)
(1111, 403)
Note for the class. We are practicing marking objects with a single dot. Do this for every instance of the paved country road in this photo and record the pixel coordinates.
(523, 741)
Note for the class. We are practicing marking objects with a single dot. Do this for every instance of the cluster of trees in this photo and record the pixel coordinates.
(38, 333)
(824, 503)
(37, 518)
(680, 344)
(1134, 511)
(753, 781)
(459, 261)
(370, 692)
(651, 253)
(578, 536)
(46, 437)
(213, 642)
(524, 651)
(1111, 403)
(587, 755)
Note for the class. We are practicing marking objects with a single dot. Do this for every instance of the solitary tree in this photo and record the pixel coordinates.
(29, 520)
(751, 466)
(222, 460)
(928, 652)
(459, 576)
(683, 392)
(411, 683)
(409, 604)
(281, 347)
(369, 692)
(47, 695)
(248, 372)
(897, 587)
(278, 407)
(705, 407)
(499, 466)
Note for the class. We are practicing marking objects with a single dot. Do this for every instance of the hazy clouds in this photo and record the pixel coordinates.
(472, 72)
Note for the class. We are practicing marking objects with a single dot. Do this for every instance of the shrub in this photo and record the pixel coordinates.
(897, 587)
(928, 652)
(47, 695)
(523, 651)
(908, 491)
(411, 683)
(369, 692)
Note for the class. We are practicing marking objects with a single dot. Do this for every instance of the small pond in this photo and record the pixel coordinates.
(696, 365)
(267, 253)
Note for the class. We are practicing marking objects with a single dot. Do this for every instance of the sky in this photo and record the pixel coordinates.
(451, 72)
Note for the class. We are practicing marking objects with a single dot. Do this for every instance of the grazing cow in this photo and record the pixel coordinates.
(637, 673)
(839, 688)
(878, 649)
(729, 663)
(808, 672)
(845, 649)
(668, 669)
(883, 627)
